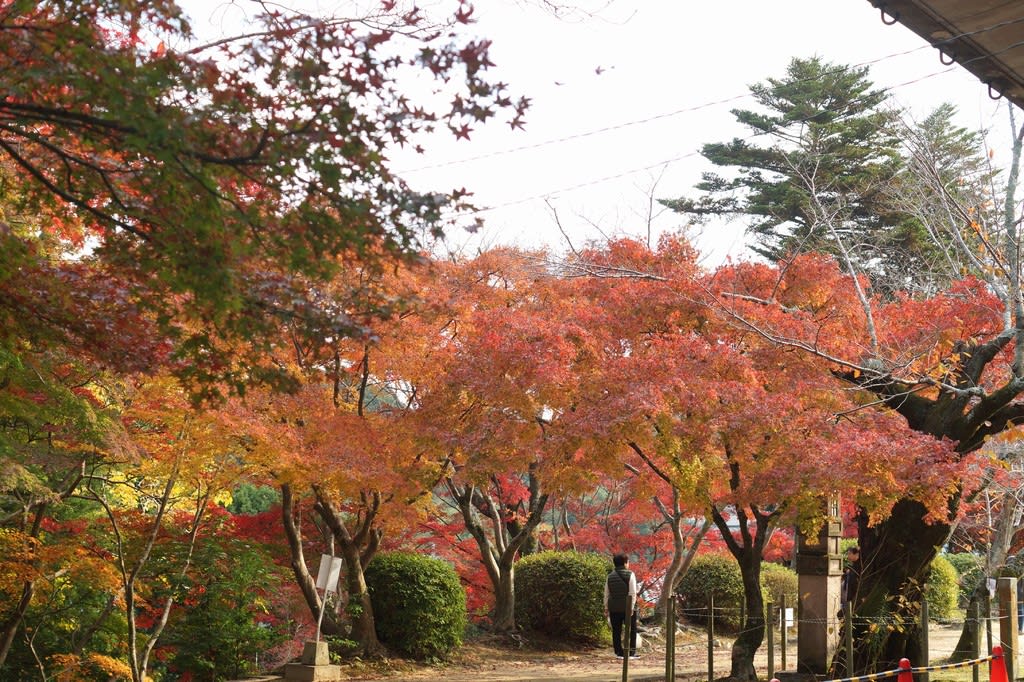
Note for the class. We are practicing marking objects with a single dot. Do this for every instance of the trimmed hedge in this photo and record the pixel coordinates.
(942, 591)
(778, 581)
(561, 594)
(419, 606)
(714, 575)
(718, 575)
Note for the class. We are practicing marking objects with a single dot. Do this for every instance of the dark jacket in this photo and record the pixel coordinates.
(618, 590)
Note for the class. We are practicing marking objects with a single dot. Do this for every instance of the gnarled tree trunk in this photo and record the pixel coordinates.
(498, 548)
(358, 548)
(747, 550)
(685, 541)
(896, 556)
(305, 580)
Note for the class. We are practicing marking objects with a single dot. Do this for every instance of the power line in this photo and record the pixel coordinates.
(666, 162)
(705, 105)
(659, 164)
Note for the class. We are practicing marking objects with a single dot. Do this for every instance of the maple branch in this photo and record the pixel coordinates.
(558, 224)
(193, 536)
(867, 375)
(68, 118)
(488, 556)
(724, 531)
(421, 32)
(762, 301)
(792, 343)
(650, 463)
(996, 407)
(113, 130)
(336, 394)
(293, 534)
(68, 197)
(372, 506)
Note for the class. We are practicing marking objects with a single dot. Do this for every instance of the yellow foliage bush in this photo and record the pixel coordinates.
(90, 668)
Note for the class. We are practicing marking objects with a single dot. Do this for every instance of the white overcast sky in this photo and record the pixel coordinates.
(624, 98)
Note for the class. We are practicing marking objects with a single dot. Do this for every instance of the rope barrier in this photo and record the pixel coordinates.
(922, 669)
(873, 676)
(950, 666)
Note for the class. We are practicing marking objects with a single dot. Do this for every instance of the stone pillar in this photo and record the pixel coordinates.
(819, 567)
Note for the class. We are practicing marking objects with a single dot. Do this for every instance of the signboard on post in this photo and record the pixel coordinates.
(326, 580)
(330, 569)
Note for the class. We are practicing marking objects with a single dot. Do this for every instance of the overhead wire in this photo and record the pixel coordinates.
(659, 164)
(713, 103)
(665, 162)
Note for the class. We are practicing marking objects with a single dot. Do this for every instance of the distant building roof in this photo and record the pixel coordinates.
(986, 37)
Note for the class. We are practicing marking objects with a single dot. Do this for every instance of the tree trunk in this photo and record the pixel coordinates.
(897, 553)
(10, 627)
(360, 611)
(504, 617)
(966, 646)
(747, 549)
(305, 581)
(498, 550)
(1000, 540)
(682, 552)
(896, 556)
(752, 629)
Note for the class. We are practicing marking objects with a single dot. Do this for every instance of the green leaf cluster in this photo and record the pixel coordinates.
(229, 622)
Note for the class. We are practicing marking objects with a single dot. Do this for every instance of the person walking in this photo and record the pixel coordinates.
(850, 581)
(620, 600)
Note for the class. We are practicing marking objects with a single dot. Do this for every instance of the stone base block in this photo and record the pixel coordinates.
(315, 653)
(792, 676)
(298, 672)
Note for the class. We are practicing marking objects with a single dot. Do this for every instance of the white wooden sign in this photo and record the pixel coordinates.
(330, 569)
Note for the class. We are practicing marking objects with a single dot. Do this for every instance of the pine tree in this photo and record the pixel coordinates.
(831, 148)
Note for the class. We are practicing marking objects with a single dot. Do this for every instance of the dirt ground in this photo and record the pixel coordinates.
(488, 659)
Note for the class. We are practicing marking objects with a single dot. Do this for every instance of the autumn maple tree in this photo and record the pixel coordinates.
(736, 424)
(170, 204)
(155, 489)
(510, 353)
(339, 447)
(928, 238)
(218, 180)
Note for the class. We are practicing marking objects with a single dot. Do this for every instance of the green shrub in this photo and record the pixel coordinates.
(971, 569)
(712, 575)
(778, 582)
(230, 620)
(942, 589)
(419, 606)
(253, 499)
(561, 594)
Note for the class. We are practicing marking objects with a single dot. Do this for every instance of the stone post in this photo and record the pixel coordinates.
(819, 567)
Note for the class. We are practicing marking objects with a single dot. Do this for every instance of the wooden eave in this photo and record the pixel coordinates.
(986, 37)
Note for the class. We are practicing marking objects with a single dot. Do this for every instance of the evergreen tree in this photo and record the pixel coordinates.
(832, 147)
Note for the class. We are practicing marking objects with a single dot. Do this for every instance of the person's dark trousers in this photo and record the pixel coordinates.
(617, 621)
